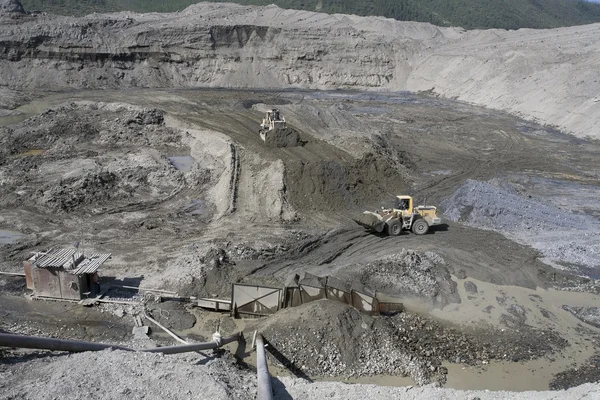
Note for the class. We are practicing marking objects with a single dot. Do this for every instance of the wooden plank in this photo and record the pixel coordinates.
(146, 289)
(117, 301)
(215, 304)
(173, 335)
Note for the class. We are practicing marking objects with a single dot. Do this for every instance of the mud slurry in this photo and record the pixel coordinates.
(76, 157)
(102, 163)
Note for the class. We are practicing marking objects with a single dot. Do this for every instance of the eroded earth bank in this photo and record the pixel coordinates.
(176, 183)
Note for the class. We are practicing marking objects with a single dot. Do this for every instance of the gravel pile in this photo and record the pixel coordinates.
(338, 340)
(589, 315)
(199, 271)
(588, 372)
(118, 374)
(245, 252)
(564, 238)
(436, 342)
(410, 274)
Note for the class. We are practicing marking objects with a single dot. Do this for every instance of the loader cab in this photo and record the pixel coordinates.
(404, 203)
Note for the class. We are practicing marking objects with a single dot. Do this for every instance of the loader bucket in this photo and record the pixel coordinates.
(370, 221)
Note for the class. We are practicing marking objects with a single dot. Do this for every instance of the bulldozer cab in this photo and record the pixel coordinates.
(273, 115)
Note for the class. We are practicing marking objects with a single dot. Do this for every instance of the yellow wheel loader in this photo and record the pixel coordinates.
(404, 216)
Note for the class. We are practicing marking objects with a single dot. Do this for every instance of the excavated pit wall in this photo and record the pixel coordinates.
(526, 72)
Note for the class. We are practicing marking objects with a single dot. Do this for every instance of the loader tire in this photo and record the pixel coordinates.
(393, 227)
(420, 227)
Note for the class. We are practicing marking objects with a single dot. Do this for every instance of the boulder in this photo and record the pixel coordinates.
(11, 7)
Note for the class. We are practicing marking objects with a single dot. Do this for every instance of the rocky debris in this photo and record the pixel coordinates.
(340, 341)
(245, 252)
(74, 192)
(140, 332)
(555, 232)
(518, 312)
(150, 116)
(200, 271)
(470, 287)
(476, 345)
(11, 7)
(92, 156)
(588, 372)
(117, 374)
(172, 315)
(589, 315)
(411, 274)
(122, 310)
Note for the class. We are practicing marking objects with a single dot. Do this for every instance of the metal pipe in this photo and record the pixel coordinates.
(33, 342)
(12, 273)
(265, 391)
(196, 346)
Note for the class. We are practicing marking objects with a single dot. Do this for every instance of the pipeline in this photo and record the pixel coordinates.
(44, 343)
(265, 391)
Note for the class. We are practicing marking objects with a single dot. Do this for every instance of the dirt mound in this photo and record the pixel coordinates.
(119, 374)
(287, 137)
(199, 271)
(410, 274)
(341, 185)
(339, 340)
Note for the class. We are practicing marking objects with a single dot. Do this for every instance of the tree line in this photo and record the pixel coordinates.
(469, 14)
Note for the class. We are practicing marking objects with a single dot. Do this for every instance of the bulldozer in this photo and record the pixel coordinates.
(272, 122)
(275, 132)
(404, 216)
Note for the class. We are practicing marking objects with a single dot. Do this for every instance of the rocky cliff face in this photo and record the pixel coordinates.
(215, 45)
(189, 50)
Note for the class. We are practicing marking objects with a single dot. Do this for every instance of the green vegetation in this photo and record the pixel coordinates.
(470, 14)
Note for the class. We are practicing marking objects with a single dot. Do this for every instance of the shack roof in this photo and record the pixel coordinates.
(72, 260)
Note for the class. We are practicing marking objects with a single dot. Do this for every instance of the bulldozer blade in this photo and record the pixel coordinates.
(370, 221)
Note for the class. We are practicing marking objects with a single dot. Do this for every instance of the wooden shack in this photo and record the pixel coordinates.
(64, 273)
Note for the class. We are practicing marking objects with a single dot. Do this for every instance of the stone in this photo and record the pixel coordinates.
(470, 287)
(11, 7)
